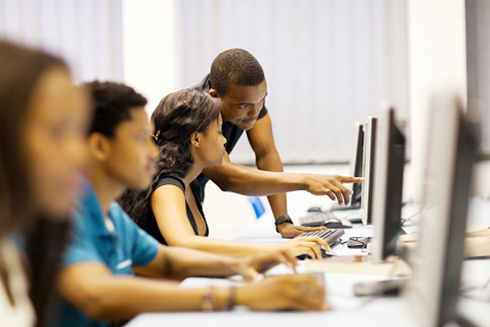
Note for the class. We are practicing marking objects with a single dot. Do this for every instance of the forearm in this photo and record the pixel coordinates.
(278, 202)
(213, 247)
(255, 182)
(117, 298)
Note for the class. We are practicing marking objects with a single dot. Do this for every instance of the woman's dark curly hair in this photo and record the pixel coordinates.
(176, 117)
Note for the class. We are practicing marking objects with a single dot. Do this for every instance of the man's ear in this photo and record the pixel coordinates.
(99, 146)
(196, 139)
(213, 93)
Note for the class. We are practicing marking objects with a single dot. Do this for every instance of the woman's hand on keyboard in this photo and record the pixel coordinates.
(286, 292)
(309, 245)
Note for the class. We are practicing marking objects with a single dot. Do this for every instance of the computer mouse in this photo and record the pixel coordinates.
(315, 209)
(358, 242)
(355, 220)
(307, 256)
(337, 223)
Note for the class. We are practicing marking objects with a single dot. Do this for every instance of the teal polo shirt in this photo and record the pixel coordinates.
(126, 247)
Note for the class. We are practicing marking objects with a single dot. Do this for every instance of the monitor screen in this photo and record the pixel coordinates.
(388, 185)
(368, 165)
(433, 290)
(356, 164)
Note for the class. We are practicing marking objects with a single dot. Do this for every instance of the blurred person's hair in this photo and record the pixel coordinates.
(20, 72)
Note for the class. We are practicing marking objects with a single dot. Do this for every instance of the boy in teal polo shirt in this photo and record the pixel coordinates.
(97, 282)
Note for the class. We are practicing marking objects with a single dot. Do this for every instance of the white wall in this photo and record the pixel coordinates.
(87, 34)
(328, 64)
(149, 48)
(437, 61)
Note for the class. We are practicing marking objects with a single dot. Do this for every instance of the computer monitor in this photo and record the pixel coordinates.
(356, 164)
(368, 166)
(433, 291)
(388, 185)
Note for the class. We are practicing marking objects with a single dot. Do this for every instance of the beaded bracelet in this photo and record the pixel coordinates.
(208, 303)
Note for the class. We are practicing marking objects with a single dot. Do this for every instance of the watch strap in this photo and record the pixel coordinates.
(283, 219)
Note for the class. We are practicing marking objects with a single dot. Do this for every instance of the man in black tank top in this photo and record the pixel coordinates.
(237, 79)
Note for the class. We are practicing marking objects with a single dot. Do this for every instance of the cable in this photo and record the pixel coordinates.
(339, 241)
(409, 218)
(363, 302)
(473, 288)
(475, 298)
(480, 296)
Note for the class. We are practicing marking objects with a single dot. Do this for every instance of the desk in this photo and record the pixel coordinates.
(347, 310)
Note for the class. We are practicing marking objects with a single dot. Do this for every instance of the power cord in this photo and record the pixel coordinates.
(409, 219)
(465, 292)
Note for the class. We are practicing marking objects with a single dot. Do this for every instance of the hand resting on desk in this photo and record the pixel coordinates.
(287, 292)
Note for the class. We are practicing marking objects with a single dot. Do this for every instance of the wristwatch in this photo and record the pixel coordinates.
(283, 219)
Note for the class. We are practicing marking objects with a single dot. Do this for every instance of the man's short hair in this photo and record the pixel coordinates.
(235, 66)
(112, 103)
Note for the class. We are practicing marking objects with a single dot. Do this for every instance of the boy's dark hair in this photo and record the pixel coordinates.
(112, 104)
(235, 66)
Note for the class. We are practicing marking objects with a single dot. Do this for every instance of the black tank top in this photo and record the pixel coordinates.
(150, 224)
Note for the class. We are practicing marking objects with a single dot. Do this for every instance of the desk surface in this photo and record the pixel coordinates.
(347, 309)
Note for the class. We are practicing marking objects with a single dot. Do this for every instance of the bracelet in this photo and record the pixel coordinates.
(208, 303)
(232, 298)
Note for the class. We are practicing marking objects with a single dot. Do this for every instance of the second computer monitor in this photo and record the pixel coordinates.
(356, 164)
(387, 185)
(368, 167)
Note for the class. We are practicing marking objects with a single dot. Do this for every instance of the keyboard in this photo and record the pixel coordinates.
(343, 207)
(316, 219)
(330, 235)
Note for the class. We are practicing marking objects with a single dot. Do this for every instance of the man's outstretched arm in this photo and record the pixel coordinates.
(260, 182)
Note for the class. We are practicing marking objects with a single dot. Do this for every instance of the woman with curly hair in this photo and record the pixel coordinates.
(188, 132)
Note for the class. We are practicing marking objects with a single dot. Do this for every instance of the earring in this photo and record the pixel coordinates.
(157, 134)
